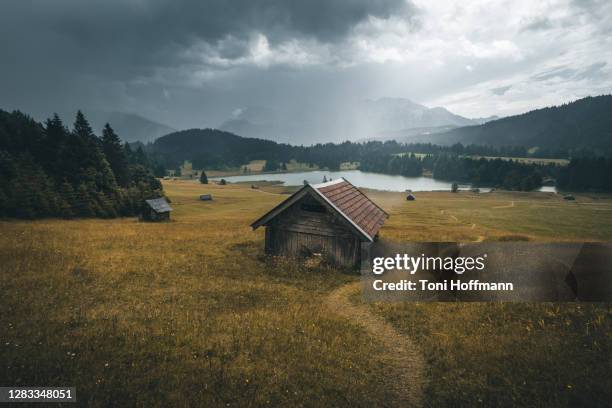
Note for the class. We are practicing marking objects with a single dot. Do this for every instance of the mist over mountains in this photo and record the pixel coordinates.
(130, 127)
(367, 119)
(582, 124)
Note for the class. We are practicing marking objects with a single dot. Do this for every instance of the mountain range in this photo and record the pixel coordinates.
(367, 119)
(584, 123)
(129, 126)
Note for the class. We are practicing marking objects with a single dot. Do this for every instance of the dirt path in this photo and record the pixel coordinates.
(405, 365)
(506, 206)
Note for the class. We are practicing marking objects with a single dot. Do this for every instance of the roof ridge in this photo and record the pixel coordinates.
(329, 183)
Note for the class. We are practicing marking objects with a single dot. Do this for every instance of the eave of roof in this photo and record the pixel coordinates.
(315, 188)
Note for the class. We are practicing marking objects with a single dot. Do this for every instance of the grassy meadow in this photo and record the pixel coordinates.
(190, 312)
(525, 160)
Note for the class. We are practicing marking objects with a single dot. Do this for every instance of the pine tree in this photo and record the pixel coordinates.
(93, 164)
(56, 136)
(115, 155)
(140, 157)
(203, 178)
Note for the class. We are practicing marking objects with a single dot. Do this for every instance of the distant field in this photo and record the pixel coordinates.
(527, 160)
(256, 166)
(192, 311)
(417, 155)
(442, 216)
(293, 165)
(349, 166)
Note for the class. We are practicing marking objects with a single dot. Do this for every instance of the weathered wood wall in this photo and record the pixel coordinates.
(300, 232)
(150, 215)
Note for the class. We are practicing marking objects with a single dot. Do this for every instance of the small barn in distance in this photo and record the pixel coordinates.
(156, 209)
(331, 219)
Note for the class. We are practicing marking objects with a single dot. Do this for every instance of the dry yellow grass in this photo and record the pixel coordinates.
(440, 216)
(349, 166)
(191, 313)
(179, 313)
(495, 354)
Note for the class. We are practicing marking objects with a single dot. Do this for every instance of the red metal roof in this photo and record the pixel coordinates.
(353, 204)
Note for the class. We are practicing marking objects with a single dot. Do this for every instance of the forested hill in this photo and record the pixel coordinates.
(212, 148)
(585, 123)
(48, 170)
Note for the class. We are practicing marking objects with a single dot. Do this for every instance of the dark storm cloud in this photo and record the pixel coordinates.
(191, 63)
(149, 32)
(65, 52)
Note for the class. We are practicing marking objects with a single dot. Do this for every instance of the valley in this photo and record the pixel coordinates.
(192, 310)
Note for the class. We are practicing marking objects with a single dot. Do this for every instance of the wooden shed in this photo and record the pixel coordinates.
(330, 219)
(156, 209)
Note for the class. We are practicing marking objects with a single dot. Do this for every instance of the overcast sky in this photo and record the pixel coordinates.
(192, 63)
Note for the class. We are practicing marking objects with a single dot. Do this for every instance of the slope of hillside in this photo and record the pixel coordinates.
(585, 123)
(213, 148)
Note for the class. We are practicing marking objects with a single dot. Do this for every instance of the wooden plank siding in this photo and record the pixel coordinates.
(298, 232)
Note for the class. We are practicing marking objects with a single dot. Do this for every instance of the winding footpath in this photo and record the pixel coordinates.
(405, 365)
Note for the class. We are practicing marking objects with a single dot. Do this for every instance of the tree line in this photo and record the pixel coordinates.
(215, 149)
(501, 173)
(507, 174)
(48, 170)
(587, 174)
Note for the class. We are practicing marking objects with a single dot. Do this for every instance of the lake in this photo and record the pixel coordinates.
(359, 178)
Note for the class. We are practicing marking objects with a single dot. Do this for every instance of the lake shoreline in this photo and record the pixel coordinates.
(369, 180)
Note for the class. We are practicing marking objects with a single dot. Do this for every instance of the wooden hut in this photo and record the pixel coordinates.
(156, 209)
(330, 219)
